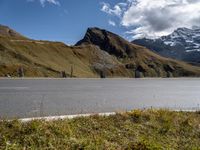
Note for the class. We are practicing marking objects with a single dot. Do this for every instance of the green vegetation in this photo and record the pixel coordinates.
(142, 130)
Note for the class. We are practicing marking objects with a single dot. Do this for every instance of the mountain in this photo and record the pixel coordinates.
(137, 59)
(49, 59)
(109, 42)
(182, 44)
(99, 52)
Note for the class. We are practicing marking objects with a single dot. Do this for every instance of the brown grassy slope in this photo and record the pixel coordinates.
(100, 51)
(137, 58)
(43, 58)
(7, 32)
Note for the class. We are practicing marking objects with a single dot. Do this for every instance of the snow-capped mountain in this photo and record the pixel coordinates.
(188, 38)
(182, 44)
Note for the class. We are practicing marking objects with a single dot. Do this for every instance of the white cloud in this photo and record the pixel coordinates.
(112, 23)
(116, 10)
(153, 18)
(55, 2)
(43, 2)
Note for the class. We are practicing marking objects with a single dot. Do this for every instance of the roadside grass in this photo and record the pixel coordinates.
(138, 129)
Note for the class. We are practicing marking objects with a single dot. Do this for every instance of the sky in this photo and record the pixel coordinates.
(68, 20)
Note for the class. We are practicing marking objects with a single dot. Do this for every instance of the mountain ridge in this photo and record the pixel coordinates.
(138, 57)
(183, 44)
(100, 51)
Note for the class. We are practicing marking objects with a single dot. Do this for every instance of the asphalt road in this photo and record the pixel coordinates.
(20, 98)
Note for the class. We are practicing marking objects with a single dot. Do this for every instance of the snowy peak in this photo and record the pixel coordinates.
(183, 44)
(189, 39)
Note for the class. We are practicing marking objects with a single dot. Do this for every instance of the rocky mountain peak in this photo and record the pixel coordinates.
(93, 36)
(107, 41)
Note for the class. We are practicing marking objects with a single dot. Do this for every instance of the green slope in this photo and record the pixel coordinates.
(135, 130)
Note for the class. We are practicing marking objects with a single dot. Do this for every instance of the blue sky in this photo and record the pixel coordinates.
(65, 22)
(68, 20)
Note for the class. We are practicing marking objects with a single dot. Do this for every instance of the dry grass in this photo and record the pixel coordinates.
(48, 59)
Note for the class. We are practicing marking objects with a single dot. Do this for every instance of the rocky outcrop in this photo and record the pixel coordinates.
(108, 41)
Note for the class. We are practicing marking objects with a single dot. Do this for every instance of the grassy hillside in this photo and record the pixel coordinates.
(138, 130)
(48, 59)
(99, 52)
(7, 32)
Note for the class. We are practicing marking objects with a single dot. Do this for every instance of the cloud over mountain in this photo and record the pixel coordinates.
(148, 18)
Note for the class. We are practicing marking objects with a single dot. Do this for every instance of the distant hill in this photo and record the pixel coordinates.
(99, 52)
(183, 44)
(6, 31)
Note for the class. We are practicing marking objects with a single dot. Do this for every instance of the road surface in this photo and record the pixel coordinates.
(21, 98)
